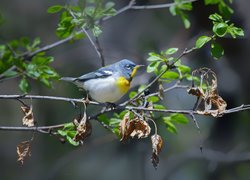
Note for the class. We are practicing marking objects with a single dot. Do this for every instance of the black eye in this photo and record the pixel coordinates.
(128, 67)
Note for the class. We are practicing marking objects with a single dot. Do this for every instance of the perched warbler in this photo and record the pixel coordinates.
(107, 84)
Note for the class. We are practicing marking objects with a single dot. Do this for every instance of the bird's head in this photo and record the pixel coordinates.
(128, 68)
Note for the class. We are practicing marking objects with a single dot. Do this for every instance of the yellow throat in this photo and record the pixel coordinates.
(123, 84)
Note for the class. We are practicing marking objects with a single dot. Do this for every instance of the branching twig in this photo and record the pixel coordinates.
(175, 86)
(97, 48)
(131, 5)
(100, 50)
(48, 98)
(185, 52)
(46, 129)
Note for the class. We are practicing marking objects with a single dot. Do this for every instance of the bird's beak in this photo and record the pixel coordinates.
(135, 70)
(138, 66)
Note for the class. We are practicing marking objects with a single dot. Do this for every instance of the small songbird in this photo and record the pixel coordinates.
(107, 84)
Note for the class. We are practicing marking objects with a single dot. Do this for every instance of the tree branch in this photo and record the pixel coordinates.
(130, 5)
(71, 100)
(46, 129)
(160, 6)
(185, 52)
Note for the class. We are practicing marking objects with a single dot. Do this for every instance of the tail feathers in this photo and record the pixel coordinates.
(68, 79)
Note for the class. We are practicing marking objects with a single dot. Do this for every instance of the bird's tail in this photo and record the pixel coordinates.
(68, 79)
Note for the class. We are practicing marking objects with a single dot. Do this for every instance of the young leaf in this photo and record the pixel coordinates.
(201, 41)
(171, 51)
(153, 66)
(170, 75)
(170, 126)
(216, 17)
(179, 118)
(216, 50)
(54, 9)
(153, 99)
(220, 29)
(158, 106)
(24, 85)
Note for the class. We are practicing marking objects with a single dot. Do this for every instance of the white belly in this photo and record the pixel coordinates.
(103, 90)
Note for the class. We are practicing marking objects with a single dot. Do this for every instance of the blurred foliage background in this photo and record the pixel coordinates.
(130, 35)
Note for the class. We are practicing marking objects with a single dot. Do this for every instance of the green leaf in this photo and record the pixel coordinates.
(172, 10)
(208, 2)
(225, 10)
(153, 66)
(186, 6)
(36, 42)
(42, 60)
(46, 82)
(171, 51)
(170, 126)
(61, 132)
(159, 106)
(153, 99)
(170, 75)
(24, 85)
(220, 29)
(109, 5)
(141, 88)
(216, 17)
(216, 50)
(235, 31)
(154, 58)
(186, 21)
(103, 118)
(201, 41)
(179, 118)
(10, 73)
(71, 141)
(184, 69)
(78, 36)
(24, 41)
(54, 9)
(132, 94)
(96, 31)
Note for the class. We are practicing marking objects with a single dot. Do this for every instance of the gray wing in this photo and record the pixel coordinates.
(100, 73)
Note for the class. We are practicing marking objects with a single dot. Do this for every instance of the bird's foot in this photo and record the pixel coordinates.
(111, 105)
(86, 100)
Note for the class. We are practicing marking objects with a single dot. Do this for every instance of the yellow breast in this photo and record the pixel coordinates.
(123, 84)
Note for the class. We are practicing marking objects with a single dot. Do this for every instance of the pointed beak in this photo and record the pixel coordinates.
(138, 66)
(135, 70)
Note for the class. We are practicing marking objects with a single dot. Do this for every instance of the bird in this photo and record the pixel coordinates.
(107, 84)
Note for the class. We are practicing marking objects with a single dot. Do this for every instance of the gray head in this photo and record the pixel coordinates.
(127, 68)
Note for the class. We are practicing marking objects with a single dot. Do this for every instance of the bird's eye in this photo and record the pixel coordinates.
(128, 67)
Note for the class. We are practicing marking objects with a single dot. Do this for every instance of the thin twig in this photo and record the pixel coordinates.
(47, 98)
(46, 129)
(41, 129)
(175, 86)
(159, 6)
(125, 8)
(119, 107)
(97, 49)
(100, 50)
(185, 52)
(130, 5)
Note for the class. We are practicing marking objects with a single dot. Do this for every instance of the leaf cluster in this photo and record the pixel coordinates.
(86, 14)
(36, 67)
(221, 28)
